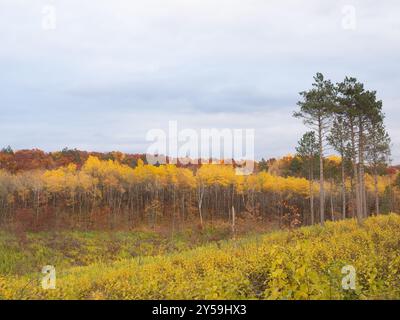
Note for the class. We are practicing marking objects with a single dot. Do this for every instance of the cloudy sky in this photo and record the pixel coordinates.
(102, 73)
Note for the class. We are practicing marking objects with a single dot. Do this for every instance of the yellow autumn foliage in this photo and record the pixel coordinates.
(306, 263)
(121, 177)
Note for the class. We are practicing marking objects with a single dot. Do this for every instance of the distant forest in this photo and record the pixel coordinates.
(73, 188)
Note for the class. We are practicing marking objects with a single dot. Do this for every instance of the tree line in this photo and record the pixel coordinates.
(106, 193)
(88, 189)
(348, 118)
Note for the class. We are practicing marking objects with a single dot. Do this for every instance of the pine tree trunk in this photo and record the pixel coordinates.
(321, 174)
(332, 207)
(343, 189)
(356, 179)
(312, 193)
(377, 209)
(363, 198)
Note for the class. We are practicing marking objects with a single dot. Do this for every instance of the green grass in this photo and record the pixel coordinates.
(28, 254)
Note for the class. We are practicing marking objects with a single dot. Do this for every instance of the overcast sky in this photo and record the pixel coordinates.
(111, 70)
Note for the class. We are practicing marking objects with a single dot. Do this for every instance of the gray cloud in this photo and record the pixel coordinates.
(110, 71)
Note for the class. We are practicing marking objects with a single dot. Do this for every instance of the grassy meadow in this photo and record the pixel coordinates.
(304, 263)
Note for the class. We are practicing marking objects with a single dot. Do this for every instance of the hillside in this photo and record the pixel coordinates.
(302, 264)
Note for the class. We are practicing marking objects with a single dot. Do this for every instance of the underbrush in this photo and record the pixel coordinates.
(304, 263)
